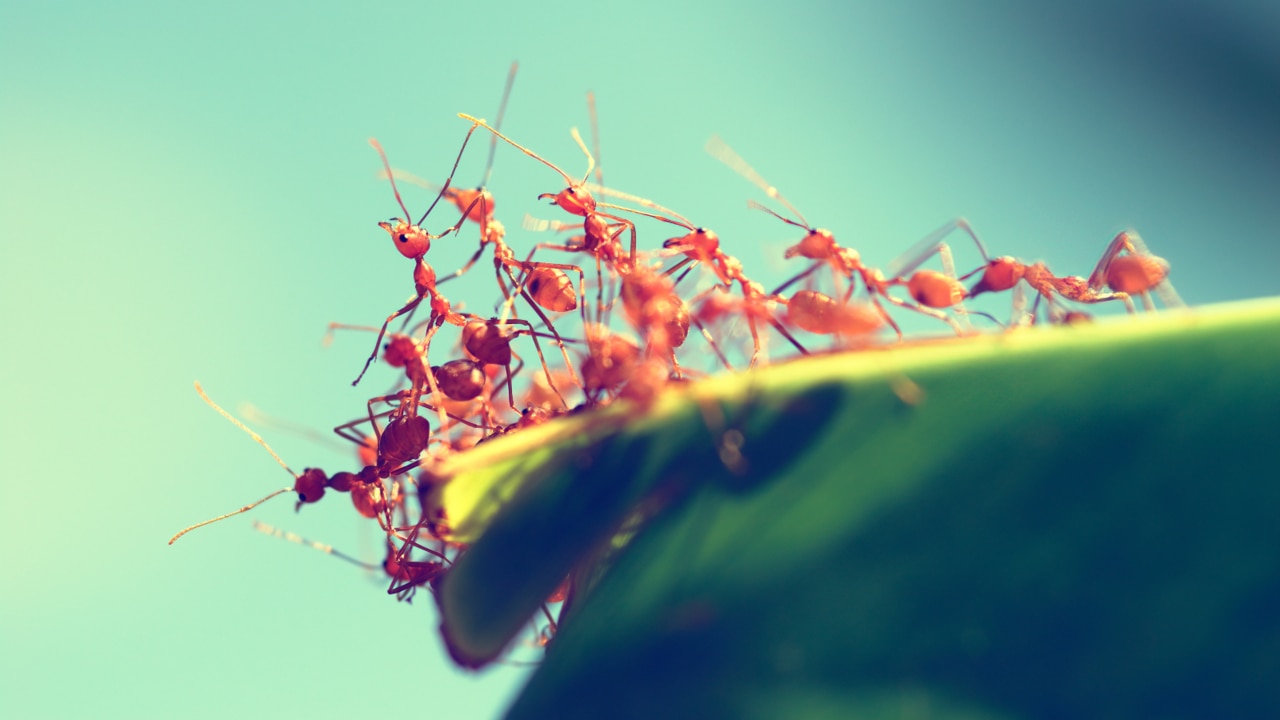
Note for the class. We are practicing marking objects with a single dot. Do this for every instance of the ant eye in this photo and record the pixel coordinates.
(403, 238)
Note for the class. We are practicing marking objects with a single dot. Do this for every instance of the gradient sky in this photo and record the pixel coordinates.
(187, 193)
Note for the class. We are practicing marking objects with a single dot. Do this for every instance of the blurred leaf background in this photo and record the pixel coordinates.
(186, 192)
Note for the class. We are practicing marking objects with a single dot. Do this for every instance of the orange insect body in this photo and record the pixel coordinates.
(935, 289)
(1126, 267)
(310, 485)
(611, 360)
(1000, 274)
(488, 343)
(575, 200)
(819, 244)
(820, 314)
(461, 379)
(368, 499)
(651, 304)
(477, 204)
(399, 350)
(552, 289)
(1134, 274)
(402, 440)
(412, 241)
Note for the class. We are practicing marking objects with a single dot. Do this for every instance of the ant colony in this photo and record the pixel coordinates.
(611, 320)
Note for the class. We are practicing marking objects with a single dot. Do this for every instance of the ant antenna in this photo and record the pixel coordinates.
(752, 204)
(595, 136)
(721, 151)
(578, 138)
(257, 438)
(502, 110)
(390, 176)
(322, 547)
(386, 166)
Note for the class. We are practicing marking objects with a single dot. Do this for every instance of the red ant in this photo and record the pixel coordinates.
(931, 290)
(414, 242)
(309, 485)
(405, 575)
(821, 314)
(601, 229)
(477, 204)
(1135, 273)
(754, 304)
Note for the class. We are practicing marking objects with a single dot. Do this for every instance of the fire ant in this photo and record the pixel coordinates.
(405, 575)
(754, 304)
(1137, 272)
(414, 242)
(309, 485)
(931, 290)
(601, 229)
(477, 204)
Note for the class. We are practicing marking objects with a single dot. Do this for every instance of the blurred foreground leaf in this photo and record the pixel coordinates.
(1072, 522)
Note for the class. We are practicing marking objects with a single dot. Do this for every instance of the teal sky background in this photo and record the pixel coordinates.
(186, 192)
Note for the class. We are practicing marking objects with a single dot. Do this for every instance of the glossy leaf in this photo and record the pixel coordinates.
(1072, 522)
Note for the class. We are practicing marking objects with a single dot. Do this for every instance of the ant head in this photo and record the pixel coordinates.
(574, 200)
(411, 240)
(399, 350)
(310, 485)
(531, 416)
(477, 204)
(817, 245)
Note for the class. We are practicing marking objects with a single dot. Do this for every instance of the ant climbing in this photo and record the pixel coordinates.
(601, 229)
(309, 485)
(413, 242)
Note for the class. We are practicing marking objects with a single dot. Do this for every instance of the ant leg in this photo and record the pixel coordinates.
(931, 243)
(528, 266)
(799, 276)
(875, 300)
(322, 547)
(377, 344)
(1132, 243)
(714, 347)
(790, 338)
(1018, 313)
(938, 314)
(552, 328)
(347, 431)
(545, 368)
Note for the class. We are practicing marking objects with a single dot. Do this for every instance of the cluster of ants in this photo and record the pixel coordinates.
(688, 282)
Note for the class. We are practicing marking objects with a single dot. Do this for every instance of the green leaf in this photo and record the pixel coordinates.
(1071, 522)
